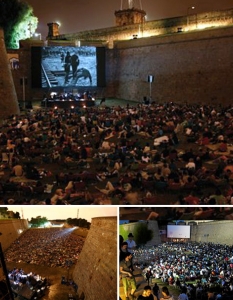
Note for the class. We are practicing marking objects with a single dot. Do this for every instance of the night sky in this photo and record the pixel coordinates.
(81, 15)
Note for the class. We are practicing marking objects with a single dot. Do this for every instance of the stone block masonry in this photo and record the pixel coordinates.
(96, 270)
(11, 230)
(8, 98)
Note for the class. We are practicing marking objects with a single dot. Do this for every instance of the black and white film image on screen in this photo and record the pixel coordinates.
(53, 65)
(178, 231)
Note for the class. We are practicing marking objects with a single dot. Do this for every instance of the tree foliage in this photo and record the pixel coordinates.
(4, 211)
(79, 222)
(17, 21)
(142, 234)
(38, 221)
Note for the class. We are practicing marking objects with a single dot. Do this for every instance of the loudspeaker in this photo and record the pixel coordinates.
(150, 78)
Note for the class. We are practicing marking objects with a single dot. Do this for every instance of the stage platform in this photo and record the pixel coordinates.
(69, 104)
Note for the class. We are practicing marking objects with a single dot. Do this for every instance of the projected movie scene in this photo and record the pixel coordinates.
(178, 231)
(68, 66)
(178, 259)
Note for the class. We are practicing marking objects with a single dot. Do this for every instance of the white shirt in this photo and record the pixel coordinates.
(131, 244)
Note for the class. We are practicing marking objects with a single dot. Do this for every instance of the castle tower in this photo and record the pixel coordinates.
(96, 270)
(53, 30)
(129, 13)
(8, 98)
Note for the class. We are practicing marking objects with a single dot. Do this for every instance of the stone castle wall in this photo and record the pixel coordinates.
(193, 66)
(96, 270)
(214, 232)
(8, 96)
(11, 230)
(151, 28)
(152, 225)
(208, 232)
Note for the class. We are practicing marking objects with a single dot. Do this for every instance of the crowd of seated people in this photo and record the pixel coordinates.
(158, 147)
(202, 268)
(50, 247)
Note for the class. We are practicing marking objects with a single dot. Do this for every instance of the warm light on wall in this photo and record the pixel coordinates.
(196, 22)
(201, 26)
(211, 24)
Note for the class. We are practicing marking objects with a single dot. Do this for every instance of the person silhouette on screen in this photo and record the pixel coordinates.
(67, 66)
(74, 64)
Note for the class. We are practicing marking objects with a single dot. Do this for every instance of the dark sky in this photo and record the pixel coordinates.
(80, 15)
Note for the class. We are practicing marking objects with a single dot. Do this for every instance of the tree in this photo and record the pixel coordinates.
(38, 221)
(142, 234)
(17, 21)
(4, 212)
(16, 215)
(79, 222)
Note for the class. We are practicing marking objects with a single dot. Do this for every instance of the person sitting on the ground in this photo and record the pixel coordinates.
(165, 294)
(223, 146)
(17, 170)
(147, 294)
(109, 188)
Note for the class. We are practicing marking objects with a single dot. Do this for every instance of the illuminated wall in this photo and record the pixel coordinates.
(192, 65)
(11, 230)
(214, 232)
(96, 270)
(191, 22)
(8, 96)
(151, 225)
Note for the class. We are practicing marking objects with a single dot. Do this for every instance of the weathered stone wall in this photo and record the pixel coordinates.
(193, 67)
(11, 230)
(24, 71)
(205, 232)
(219, 232)
(152, 225)
(8, 96)
(96, 270)
(129, 16)
(153, 28)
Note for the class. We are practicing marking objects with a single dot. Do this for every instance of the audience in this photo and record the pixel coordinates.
(199, 270)
(52, 247)
(164, 143)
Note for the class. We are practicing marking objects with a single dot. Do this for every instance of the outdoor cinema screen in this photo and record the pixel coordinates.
(67, 66)
(178, 231)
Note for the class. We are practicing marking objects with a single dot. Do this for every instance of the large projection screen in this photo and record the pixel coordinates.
(178, 231)
(67, 66)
